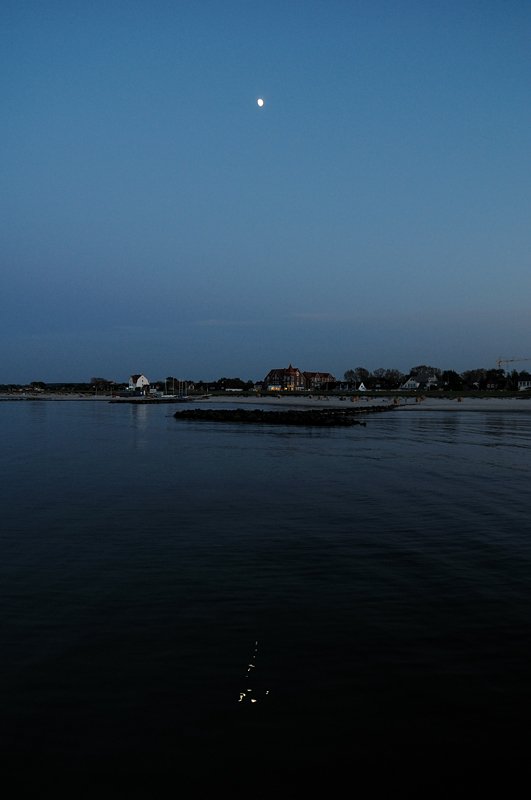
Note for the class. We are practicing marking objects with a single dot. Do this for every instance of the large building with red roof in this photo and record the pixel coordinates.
(291, 379)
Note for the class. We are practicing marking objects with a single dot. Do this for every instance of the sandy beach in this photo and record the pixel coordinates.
(498, 404)
(421, 403)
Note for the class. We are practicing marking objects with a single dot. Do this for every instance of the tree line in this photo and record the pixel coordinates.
(434, 378)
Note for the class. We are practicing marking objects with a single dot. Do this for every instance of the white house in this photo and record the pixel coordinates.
(138, 383)
(411, 383)
(420, 381)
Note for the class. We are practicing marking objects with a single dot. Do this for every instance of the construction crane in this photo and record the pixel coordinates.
(501, 361)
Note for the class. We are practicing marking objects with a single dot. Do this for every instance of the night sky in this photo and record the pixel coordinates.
(374, 212)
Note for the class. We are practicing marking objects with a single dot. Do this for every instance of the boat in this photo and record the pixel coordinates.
(175, 398)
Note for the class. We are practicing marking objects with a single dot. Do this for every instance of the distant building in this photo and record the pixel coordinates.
(289, 379)
(524, 386)
(138, 383)
(422, 381)
(318, 380)
(411, 383)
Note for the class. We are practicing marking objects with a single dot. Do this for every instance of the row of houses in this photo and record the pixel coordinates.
(292, 379)
(288, 379)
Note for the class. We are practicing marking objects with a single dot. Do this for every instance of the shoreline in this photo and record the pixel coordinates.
(424, 404)
(420, 403)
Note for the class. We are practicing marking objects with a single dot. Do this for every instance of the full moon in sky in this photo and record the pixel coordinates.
(260, 102)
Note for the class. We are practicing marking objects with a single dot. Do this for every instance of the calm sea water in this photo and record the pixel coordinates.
(369, 588)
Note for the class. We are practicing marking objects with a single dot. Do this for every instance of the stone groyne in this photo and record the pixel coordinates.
(309, 417)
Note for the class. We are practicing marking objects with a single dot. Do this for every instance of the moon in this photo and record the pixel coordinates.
(260, 102)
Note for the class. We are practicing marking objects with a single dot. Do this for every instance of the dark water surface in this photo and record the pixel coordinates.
(371, 586)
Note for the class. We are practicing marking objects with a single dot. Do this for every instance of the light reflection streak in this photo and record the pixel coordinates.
(247, 695)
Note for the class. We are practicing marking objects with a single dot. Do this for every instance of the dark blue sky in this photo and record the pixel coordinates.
(375, 212)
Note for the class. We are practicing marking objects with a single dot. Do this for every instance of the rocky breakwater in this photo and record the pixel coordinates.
(326, 417)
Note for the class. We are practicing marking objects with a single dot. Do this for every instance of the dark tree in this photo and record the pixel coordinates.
(362, 374)
(425, 369)
(451, 380)
(394, 378)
